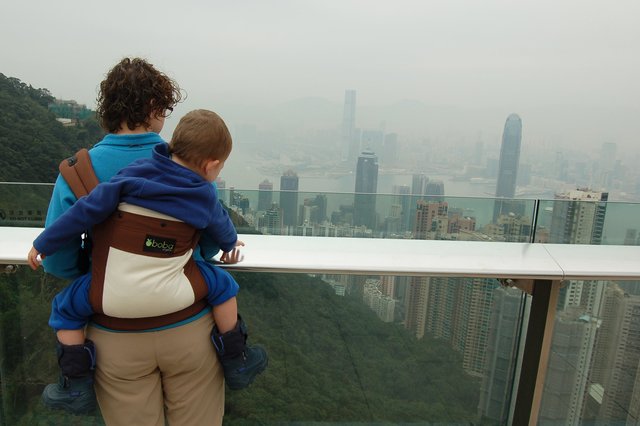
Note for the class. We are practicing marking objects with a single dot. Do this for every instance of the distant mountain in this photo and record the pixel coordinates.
(33, 141)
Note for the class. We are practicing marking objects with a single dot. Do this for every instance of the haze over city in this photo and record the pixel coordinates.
(443, 76)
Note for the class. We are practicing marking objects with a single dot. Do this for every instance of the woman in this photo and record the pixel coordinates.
(186, 383)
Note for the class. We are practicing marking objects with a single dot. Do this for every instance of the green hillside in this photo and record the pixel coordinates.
(33, 142)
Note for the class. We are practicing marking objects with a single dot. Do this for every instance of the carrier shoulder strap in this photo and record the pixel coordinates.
(78, 172)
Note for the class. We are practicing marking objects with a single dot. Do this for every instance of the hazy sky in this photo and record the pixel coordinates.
(544, 58)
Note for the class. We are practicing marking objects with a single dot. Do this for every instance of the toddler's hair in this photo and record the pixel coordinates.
(201, 135)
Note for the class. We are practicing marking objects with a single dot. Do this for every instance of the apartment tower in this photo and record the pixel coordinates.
(364, 206)
(289, 198)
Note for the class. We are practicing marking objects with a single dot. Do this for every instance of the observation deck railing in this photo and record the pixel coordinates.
(538, 269)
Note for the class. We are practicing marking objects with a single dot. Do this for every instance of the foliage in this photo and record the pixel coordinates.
(332, 360)
(33, 142)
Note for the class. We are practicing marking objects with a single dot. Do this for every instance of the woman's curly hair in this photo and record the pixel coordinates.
(131, 92)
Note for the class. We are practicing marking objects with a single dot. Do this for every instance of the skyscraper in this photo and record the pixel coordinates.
(502, 345)
(265, 195)
(578, 217)
(418, 187)
(350, 147)
(617, 368)
(418, 184)
(221, 184)
(313, 210)
(271, 222)
(417, 296)
(570, 360)
(403, 198)
(365, 192)
(289, 198)
(434, 189)
(508, 165)
(428, 215)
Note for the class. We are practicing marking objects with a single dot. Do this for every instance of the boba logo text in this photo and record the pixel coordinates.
(159, 244)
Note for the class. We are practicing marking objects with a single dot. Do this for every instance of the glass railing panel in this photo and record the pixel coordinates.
(593, 375)
(343, 349)
(401, 216)
(382, 215)
(391, 215)
(24, 204)
(588, 222)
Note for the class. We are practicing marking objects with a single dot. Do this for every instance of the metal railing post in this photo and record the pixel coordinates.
(536, 352)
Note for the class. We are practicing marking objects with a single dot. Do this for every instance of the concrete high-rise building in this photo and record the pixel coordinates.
(457, 310)
(570, 359)
(418, 184)
(620, 384)
(403, 199)
(633, 419)
(434, 189)
(364, 206)
(513, 228)
(313, 210)
(578, 217)
(416, 301)
(374, 298)
(349, 140)
(289, 198)
(472, 328)
(223, 195)
(418, 188)
(508, 165)
(271, 222)
(430, 218)
(388, 285)
(502, 349)
(265, 195)
(576, 388)
(441, 312)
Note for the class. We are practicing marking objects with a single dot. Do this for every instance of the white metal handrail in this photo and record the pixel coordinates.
(269, 253)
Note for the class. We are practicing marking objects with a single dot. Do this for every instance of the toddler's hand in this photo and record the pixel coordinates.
(233, 256)
(34, 258)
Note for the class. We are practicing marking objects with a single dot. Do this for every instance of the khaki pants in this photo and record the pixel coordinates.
(141, 377)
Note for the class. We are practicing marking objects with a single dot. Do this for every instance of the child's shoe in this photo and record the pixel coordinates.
(74, 391)
(241, 363)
